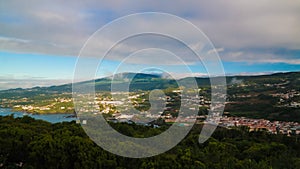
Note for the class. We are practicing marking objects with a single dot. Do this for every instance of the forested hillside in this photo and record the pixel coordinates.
(29, 143)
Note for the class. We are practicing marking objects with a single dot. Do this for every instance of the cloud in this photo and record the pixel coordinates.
(183, 75)
(263, 55)
(62, 27)
(29, 82)
(216, 50)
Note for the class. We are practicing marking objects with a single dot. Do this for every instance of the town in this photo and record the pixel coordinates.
(260, 103)
(119, 111)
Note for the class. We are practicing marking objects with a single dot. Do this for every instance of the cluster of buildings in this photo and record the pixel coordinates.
(144, 117)
(286, 99)
(107, 105)
(58, 104)
(275, 127)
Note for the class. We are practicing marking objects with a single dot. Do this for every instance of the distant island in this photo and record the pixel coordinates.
(272, 97)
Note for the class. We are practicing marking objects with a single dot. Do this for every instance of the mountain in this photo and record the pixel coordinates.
(143, 81)
(139, 81)
(273, 97)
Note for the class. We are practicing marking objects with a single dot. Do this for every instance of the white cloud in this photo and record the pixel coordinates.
(29, 82)
(62, 27)
(183, 75)
(254, 56)
(216, 50)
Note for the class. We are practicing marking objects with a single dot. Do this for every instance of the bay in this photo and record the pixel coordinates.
(52, 118)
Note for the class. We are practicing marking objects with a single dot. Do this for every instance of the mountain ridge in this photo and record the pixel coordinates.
(156, 81)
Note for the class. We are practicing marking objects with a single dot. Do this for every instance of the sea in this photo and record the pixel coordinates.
(52, 118)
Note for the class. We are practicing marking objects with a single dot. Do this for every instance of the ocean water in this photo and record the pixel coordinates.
(52, 118)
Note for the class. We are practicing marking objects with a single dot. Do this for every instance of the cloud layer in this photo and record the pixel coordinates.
(246, 31)
(29, 82)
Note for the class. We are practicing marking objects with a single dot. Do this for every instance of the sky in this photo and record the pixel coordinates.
(40, 41)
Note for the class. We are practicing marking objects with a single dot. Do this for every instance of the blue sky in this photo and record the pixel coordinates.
(25, 65)
(40, 42)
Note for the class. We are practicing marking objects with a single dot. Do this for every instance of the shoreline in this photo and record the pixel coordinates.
(37, 113)
(52, 117)
(41, 112)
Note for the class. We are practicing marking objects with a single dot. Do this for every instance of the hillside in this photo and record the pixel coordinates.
(38, 144)
(142, 81)
(273, 97)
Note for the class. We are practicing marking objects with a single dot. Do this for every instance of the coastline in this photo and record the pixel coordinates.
(52, 118)
(42, 112)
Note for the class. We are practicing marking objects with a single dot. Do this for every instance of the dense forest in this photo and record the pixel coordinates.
(29, 143)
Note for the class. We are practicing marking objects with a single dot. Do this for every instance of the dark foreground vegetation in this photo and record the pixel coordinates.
(29, 143)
